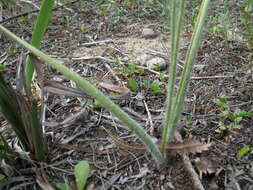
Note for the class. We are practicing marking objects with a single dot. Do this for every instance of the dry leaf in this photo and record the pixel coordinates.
(187, 146)
(114, 88)
(182, 148)
(57, 88)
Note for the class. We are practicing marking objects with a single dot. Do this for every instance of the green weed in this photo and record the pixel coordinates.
(155, 86)
(244, 151)
(130, 70)
(230, 119)
(81, 171)
(133, 84)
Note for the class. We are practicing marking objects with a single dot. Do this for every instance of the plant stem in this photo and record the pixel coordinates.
(93, 92)
(38, 34)
(189, 62)
(176, 25)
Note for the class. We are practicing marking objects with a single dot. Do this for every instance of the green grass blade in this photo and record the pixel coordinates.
(189, 62)
(5, 150)
(38, 34)
(93, 92)
(63, 186)
(176, 25)
(37, 134)
(24, 122)
(10, 110)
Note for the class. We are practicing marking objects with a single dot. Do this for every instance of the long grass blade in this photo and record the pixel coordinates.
(38, 34)
(176, 25)
(93, 92)
(5, 150)
(37, 134)
(189, 62)
(10, 110)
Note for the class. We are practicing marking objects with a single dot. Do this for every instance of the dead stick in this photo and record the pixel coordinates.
(188, 166)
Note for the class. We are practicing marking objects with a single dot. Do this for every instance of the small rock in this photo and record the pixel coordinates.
(148, 33)
(156, 63)
(100, 147)
(162, 177)
(142, 59)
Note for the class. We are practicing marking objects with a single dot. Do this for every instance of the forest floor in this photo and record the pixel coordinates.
(104, 48)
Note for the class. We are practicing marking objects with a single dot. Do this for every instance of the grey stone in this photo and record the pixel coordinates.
(148, 33)
(156, 63)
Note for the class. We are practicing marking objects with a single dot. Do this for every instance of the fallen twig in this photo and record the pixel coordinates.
(88, 44)
(188, 166)
(151, 129)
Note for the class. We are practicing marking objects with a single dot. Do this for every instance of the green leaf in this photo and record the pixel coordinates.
(133, 85)
(235, 126)
(245, 150)
(2, 66)
(238, 119)
(225, 113)
(7, 3)
(155, 87)
(117, 62)
(38, 33)
(2, 176)
(241, 113)
(222, 126)
(82, 170)
(221, 101)
(63, 186)
(145, 84)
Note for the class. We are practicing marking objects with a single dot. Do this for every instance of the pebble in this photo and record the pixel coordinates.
(148, 33)
(153, 63)
(156, 63)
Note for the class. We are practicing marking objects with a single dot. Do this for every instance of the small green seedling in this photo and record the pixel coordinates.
(2, 66)
(243, 152)
(2, 176)
(82, 28)
(131, 69)
(221, 102)
(133, 84)
(155, 87)
(10, 50)
(81, 171)
(231, 119)
(145, 84)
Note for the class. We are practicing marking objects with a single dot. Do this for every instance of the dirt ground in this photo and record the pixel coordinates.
(221, 67)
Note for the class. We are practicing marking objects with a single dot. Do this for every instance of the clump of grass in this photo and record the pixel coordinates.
(22, 114)
(18, 106)
(174, 105)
